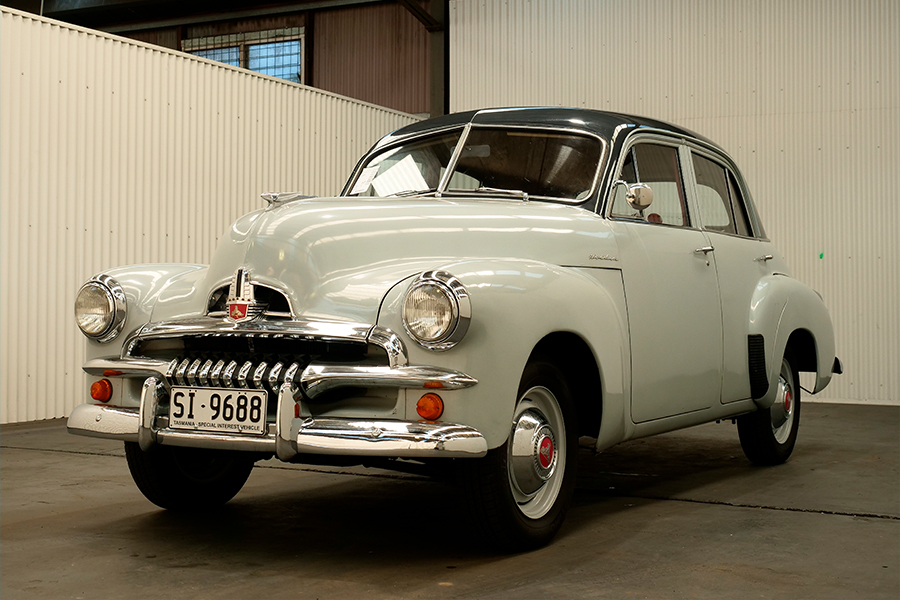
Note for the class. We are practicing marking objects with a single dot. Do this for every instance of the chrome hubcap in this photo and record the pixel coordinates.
(537, 454)
(782, 410)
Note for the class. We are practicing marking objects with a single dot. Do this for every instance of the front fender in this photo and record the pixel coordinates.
(515, 304)
(143, 286)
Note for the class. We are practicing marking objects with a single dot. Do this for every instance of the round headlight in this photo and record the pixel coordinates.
(436, 310)
(100, 308)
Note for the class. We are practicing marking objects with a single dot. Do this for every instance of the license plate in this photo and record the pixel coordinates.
(226, 410)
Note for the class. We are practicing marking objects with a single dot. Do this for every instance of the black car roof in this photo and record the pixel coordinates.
(602, 123)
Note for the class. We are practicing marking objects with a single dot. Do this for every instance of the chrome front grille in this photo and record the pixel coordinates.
(230, 373)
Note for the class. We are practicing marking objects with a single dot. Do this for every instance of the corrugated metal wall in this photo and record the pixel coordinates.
(377, 53)
(804, 94)
(114, 152)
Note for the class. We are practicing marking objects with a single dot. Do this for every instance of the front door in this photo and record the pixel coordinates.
(671, 291)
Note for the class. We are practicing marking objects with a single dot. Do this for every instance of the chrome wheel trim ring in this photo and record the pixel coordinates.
(782, 411)
(537, 452)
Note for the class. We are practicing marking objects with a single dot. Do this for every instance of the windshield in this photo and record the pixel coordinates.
(507, 161)
(413, 167)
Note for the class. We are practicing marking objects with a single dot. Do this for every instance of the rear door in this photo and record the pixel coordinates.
(742, 256)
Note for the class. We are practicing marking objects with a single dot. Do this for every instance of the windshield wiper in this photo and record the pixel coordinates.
(407, 193)
(492, 190)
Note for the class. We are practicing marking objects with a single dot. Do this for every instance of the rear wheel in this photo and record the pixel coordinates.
(520, 492)
(768, 435)
(187, 479)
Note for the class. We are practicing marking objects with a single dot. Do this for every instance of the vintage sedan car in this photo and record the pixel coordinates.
(489, 287)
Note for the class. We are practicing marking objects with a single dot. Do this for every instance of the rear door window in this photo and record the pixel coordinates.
(719, 198)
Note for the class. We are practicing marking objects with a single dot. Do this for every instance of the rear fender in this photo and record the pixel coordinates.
(782, 306)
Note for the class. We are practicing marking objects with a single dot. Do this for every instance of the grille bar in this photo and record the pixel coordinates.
(257, 375)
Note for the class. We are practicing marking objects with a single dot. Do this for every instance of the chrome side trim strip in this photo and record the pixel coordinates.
(350, 437)
(319, 378)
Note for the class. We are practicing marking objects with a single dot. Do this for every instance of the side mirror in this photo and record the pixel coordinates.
(639, 196)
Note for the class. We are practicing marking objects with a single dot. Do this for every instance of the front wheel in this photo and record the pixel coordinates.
(520, 492)
(768, 435)
(187, 479)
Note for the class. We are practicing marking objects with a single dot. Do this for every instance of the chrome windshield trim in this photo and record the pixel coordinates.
(320, 378)
(460, 144)
(451, 164)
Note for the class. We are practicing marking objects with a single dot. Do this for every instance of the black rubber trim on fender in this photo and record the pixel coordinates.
(759, 379)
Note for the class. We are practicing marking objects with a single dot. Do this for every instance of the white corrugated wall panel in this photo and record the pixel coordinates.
(804, 94)
(114, 152)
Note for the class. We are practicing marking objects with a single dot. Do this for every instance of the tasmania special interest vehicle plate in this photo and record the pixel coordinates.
(218, 409)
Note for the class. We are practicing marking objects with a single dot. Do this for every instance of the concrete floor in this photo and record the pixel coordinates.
(682, 515)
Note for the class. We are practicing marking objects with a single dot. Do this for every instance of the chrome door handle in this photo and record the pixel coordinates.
(764, 258)
(704, 250)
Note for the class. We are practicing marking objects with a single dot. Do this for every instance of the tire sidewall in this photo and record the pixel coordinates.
(755, 429)
(542, 373)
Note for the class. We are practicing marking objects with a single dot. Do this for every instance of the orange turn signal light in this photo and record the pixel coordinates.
(101, 390)
(434, 385)
(430, 407)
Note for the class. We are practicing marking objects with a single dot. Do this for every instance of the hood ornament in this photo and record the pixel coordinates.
(277, 198)
(242, 304)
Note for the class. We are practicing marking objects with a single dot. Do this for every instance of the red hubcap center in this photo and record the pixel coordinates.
(545, 452)
(787, 401)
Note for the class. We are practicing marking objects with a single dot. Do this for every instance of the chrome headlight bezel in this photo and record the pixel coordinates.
(458, 303)
(116, 307)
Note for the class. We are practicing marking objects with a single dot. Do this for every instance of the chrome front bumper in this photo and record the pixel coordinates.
(288, 436)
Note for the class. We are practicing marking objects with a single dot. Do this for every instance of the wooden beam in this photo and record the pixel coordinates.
(430, 23)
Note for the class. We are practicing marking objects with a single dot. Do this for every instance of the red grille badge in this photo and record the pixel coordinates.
(242, 305)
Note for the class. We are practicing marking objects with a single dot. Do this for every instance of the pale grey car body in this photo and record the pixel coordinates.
(657, 321)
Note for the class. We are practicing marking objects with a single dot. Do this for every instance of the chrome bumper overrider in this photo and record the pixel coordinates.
(287, 437)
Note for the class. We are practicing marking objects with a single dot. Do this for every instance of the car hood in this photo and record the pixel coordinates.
(336, 258)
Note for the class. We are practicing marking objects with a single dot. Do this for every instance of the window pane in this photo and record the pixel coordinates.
(712, 195)
(229, 56)
(740, 212)
(279, 59)
(542, 164)
(657, 166)
(416, 166)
